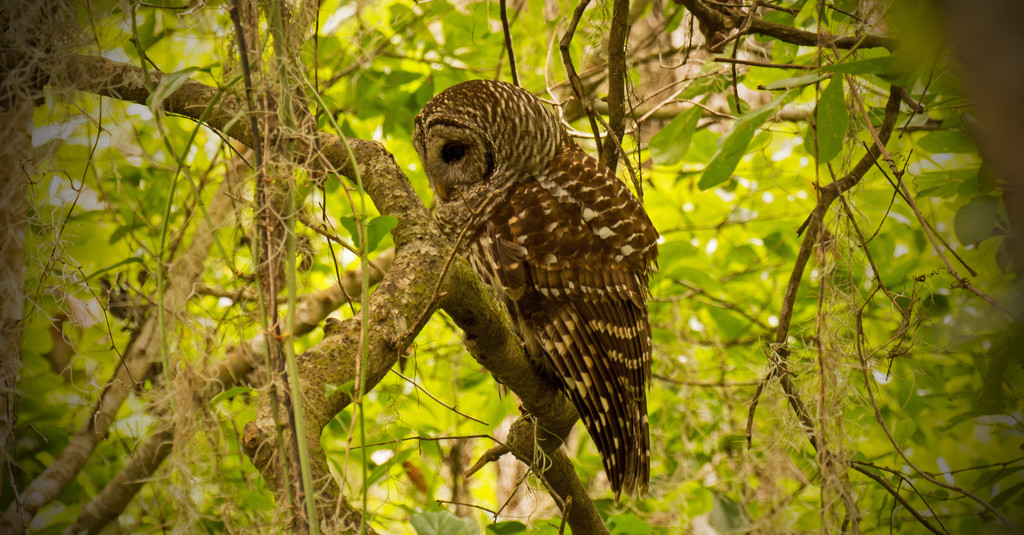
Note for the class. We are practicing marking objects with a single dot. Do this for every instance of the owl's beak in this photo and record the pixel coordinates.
(442, 191)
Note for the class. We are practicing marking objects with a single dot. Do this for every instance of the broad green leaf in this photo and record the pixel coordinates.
(379, 227)
(696, 277)
(258, 500)
(734, 144)
(381, 470)
(832, 119)
(669, 145)
(144, 29)
(987, 178)
(942, 183)
(1006, 494)
(376, 229)
(970, 524)
(976, 220)
(402, 77)
(510, 527)
(36, 339)
(887, 66)
(947, 141)
(796, 81)
(443, 523)
(125, 262)
(230, 393)
(629, 524)
(345, 388)
(169, 83)
(990, 476)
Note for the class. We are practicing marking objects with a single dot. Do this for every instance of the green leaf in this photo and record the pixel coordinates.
(443, 523)
(349, 222)
(697, 277)
(1006, 494)
(831, 120)
(258, 500)
(145, 30)
(380, 471)
(734, 144)
(976, 220)
(510, 527)
(629, 524)
(729, 324)
(887, 66)
(230, 393)
(942, 183)
(125, 262)
(947, 141)
(669, 145)
(727, 516)
(796, 81)
(345, 388)
(169, 83)
(378, 227)
(987, 178)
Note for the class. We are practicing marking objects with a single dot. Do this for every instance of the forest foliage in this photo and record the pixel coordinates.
(836, 316)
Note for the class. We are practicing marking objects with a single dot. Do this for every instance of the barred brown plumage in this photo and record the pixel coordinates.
(565, 243)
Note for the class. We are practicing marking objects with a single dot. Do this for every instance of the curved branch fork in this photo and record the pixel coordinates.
(395, 317)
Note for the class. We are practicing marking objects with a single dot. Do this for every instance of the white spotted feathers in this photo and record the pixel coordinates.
(565, 242)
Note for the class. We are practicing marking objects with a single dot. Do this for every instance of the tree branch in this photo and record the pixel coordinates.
(616, 84)
(716, 21)
(394, 308)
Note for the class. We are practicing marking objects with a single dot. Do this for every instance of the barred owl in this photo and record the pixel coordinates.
(566, 245)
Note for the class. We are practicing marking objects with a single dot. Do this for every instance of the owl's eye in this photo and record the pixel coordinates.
(453, 152)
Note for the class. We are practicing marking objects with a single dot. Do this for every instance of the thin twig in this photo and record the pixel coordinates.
(903, 501)
(904, 478)
(832, 6)
(433, 397)
(473, 505)
(507, 30)
(616, 83)
(243, 55)
(570, 71)
(897, 191)
(713, 19)
(753, 63)
(489, 456)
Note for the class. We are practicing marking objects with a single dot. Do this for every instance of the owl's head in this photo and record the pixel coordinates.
(481, 131)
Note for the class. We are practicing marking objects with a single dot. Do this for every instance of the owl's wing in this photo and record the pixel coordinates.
(587, 240)
(573, 262)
